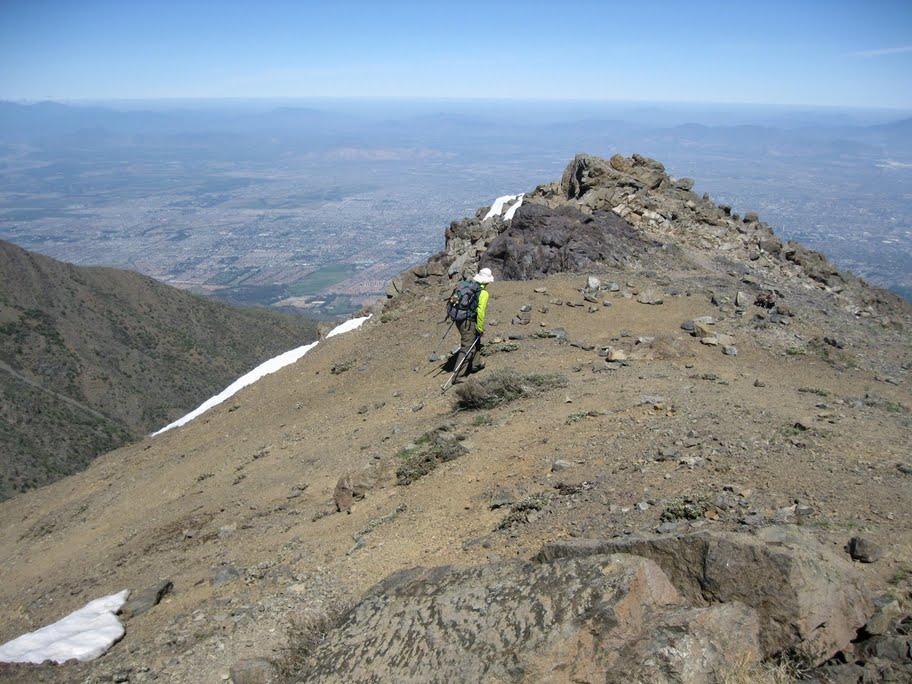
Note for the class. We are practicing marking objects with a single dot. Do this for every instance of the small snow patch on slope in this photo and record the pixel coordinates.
(265, 368)
(84, 635)
(501, 203)
(512, 210)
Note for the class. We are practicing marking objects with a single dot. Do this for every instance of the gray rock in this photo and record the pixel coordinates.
(805, 594)
(145, 600)
(684, 183)
(584, 619)
(904, 468)
(730, 350)
(650, 297)
(224, 575)
(864, 550)
(502, 497)
(560, 465)
(885, 617)
(254, 671)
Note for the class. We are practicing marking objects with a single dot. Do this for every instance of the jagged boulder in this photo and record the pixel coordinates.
(541, 240)
(595, 619)
(808, 598)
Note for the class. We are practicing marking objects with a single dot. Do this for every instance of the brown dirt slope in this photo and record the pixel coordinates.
(249, 485)
(92, 357)
(808, 424)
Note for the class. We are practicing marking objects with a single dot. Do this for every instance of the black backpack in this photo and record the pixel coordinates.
(464, 301)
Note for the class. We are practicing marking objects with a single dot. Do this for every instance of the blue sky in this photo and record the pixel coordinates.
(811, 53)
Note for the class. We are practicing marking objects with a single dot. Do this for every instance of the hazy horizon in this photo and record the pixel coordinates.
(838, 53)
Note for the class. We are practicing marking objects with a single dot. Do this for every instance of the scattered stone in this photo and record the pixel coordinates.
(145, 600)
(524, 318)
(254, 671)
(650, 297)
(864, 550)
(804, 424)
(502, 497)
(614, 354)
(593, 283)
(730, 350)
(224, 575)
(887, 613)
(353, 487)
(740, 300)
(904, 468)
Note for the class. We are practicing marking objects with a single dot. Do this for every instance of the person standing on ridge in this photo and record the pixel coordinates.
(467, 307)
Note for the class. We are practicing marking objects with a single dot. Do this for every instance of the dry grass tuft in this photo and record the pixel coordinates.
(305, 635)
(503, 386)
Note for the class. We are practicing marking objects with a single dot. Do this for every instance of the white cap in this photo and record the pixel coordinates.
(484, 276)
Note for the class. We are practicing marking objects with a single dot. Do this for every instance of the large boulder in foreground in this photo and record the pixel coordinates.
(594, 619)
(808, 599)
(541, 240)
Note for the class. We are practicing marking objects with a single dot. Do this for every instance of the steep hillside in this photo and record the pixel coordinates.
(685, 387)
(93, 357)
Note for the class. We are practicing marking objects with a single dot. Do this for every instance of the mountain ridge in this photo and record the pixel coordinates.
(681, 386)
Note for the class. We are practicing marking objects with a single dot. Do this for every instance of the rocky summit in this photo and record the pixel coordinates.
(687, 460)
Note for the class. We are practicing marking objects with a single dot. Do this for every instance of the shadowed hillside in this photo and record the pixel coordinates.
(93, 357)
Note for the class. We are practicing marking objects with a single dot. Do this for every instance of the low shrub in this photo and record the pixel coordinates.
(502, 387)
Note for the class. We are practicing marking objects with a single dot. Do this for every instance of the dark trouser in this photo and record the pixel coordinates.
(467, 336)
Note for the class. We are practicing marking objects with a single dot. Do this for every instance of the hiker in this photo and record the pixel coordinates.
(467, 308)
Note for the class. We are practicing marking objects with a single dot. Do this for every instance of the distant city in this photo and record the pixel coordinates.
(313, 207)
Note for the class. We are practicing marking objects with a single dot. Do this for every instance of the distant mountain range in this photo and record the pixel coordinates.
(91, 358)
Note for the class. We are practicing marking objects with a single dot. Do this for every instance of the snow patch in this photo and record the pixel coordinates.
(512, 210)
(498, 207)
(264, 369)
(82, 635)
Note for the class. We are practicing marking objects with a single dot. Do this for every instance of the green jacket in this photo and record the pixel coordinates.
(482, 309)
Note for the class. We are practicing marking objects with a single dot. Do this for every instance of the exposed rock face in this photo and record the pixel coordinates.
(657, 209)
(595, 619)
(541, 240)
(807, 597)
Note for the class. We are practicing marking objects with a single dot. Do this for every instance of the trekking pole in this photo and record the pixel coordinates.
(452, 379)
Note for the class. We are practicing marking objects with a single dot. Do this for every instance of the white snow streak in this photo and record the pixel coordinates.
(265, 368)
(512, 210)
(84, 635)
(498, 206)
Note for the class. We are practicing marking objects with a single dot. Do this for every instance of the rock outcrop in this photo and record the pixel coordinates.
(608, 618)
(809, 599)
(613, 213)
(542, 240)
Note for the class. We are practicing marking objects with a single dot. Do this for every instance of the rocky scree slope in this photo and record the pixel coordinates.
(611, 428)
(93, 357)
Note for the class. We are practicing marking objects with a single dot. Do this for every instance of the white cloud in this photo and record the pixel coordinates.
(883, 51)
